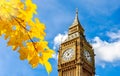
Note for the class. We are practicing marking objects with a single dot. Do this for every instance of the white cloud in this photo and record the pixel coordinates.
(113, 35)
(59, 39)
(107, 51)
(55, 56)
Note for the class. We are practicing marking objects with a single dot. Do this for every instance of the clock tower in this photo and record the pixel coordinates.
(76, 55)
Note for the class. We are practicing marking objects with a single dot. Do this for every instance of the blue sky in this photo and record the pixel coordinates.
(99, 18)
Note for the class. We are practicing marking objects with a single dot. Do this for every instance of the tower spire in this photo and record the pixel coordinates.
(76, 20)
(76, 23)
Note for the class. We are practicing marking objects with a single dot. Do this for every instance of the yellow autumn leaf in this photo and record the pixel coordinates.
(48, 67)
(34, 61)
(20, 28)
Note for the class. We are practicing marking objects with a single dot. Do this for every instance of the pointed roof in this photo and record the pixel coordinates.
(76, 20)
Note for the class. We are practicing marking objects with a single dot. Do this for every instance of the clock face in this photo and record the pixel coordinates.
(87, 56)
(68, 54)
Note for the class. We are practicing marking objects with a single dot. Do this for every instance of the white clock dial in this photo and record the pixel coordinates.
(68, 54)
(87, 55)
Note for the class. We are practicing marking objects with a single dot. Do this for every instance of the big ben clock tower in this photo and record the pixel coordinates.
(76, 56)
